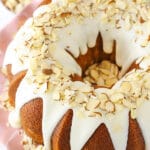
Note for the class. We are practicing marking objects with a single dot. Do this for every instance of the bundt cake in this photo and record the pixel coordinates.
(79, 75)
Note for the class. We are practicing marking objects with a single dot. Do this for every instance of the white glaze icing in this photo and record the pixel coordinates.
(83, 128)
(21, 99)
(118, 128)
(52, 114)
(68, 38)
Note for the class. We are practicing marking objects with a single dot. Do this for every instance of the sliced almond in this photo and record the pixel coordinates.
(101, 81)
(105, 71)
(110, 82)
(116, 97)
(94, 74)
(125, 87)
(104, 76)
(92, 104)
(109, 106)
(114, 70)
(80, 86)
(91, 114)
(128, 104)
(81, 98)
(105, 64)
(103, 97)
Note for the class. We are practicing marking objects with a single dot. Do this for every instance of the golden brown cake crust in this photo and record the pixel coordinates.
(31, 119)
(135, 137)
(14, 83)
(61, 135)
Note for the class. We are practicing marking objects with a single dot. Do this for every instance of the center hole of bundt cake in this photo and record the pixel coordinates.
(103, 74)
(99, 68)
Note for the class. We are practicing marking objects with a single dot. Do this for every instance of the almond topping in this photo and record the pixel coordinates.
(116, 97)
(92, 104)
